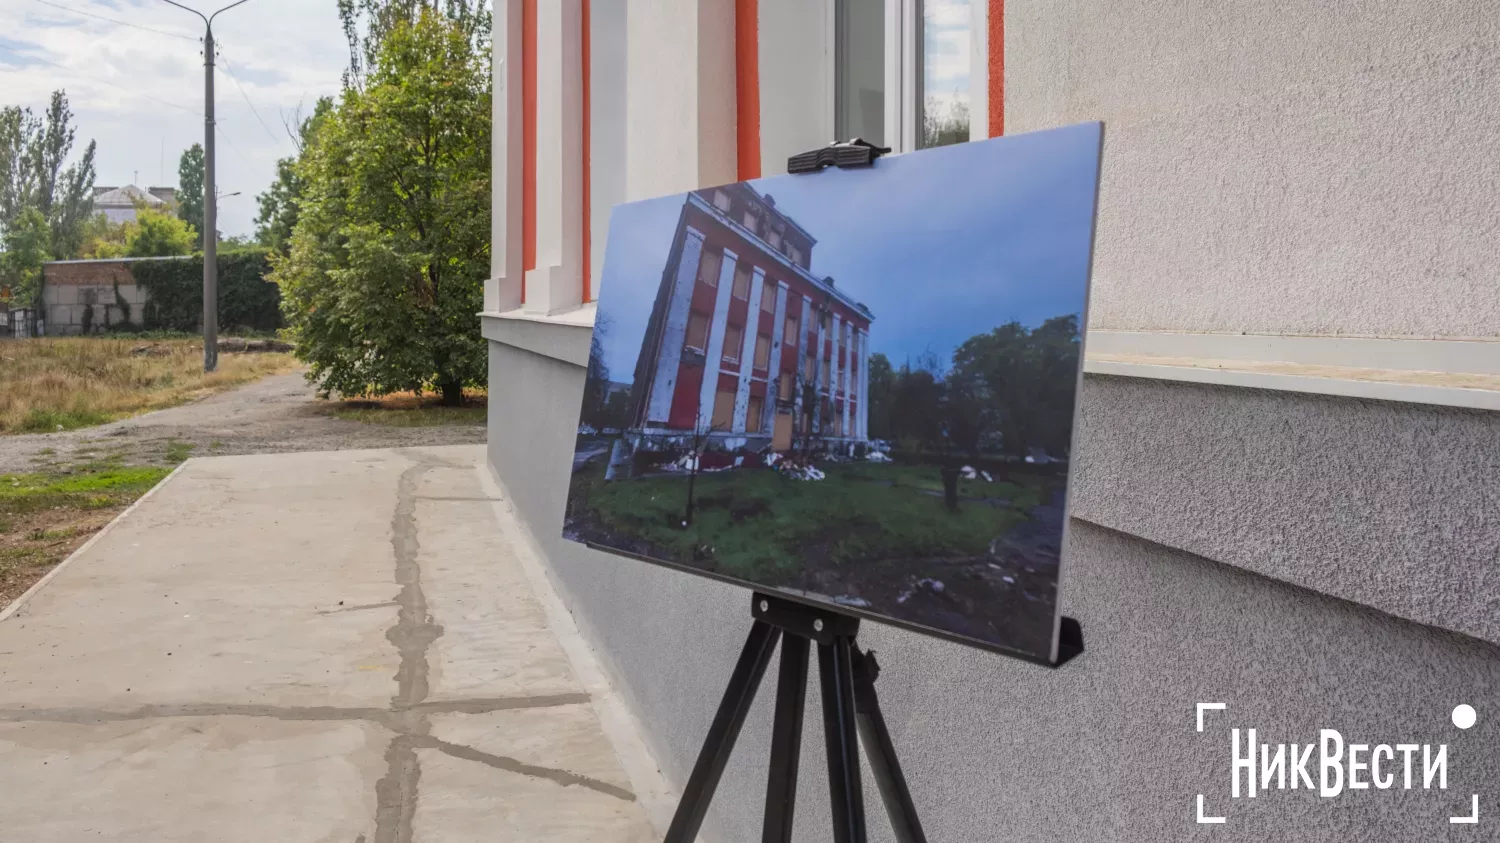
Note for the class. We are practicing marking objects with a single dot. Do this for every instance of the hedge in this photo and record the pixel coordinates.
(247, 301)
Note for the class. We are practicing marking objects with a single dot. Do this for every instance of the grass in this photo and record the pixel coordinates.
(758, 524)
(45, 516)
(408, 410)
(51, 384)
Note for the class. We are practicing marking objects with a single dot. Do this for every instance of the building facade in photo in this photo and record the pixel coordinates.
(744, 342)
(119, 204)
(1285, 458)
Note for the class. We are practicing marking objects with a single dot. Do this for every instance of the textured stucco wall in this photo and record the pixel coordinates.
(1103, 749)
(1308, 168)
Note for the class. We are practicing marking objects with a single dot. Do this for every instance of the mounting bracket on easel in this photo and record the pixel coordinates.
(845, 155)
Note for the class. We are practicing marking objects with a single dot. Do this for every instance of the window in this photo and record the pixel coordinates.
(827, 372)
(750, 219)
(721, 201)
(795, 254)
(945, 73)
(810, 371)
(753, 414)
(784, 387)
(723, 418)
(789, 330)
(708, 267)
(697, 331)
(774, 238)
(762, 352)
(768, 297)
(741, 289)
(733, 336)
(859, 70)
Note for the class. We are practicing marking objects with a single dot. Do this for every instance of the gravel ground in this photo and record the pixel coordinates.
(273, 415)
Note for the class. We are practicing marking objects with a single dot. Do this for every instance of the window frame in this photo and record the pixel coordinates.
(687, 337)
(731, 353)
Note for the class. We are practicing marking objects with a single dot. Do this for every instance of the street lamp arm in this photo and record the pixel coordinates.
(223, 10)
(190, 9)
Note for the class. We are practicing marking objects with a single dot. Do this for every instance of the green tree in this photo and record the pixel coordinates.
(34, 150)
(279, 205)
(26, 244)
(190, 178)
(155, 234)
(378, 18)
(391, 247)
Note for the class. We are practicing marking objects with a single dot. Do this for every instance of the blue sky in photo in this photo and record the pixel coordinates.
(940, 245)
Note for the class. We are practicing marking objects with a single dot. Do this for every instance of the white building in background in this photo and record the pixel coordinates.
(119, 203)
(1287, 436)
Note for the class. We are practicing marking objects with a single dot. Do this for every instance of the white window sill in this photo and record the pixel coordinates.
(562, 336)
(1453, 373)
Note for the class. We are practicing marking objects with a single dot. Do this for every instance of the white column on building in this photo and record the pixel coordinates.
(803, 326)
(504, 292)
(818, 385)
(834, 369)
(556, 284)
(674, 328)
(747, 350)
(773, 368)
(844, 382)
(715, 351)
(864, 384)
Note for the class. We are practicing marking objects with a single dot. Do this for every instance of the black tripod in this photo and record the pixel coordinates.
(849, 703)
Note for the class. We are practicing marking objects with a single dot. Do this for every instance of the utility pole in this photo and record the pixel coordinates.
(210, 195)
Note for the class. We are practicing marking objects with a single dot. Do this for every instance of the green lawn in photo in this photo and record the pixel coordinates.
(759, 525)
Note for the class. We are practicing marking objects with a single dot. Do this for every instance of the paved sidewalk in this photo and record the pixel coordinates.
(303, 647)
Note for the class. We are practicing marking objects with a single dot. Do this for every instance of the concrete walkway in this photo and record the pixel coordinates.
(306, 647)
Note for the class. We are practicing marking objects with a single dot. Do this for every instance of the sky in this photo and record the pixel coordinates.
(945, 51)
(940, 245)
(137, 89)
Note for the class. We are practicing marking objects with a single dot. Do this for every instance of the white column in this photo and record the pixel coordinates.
(802, 351)
(504, 290)
(674, 328)
(747, 350)
(715, 351)
(844, 384)
(679, 96)
(864, 384)
(773, 370)
(817, 413)
(834, 370)
(556, 284)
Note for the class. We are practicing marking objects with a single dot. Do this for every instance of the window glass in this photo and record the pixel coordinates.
(827, 372)
(859, 70)
(723, 418)
(708, 267)
(762, 351)
(697, 331)
(733, 336)
(810, 370)
(741, 288)
(721, 201)
(784, 387)
(945, 72)
(753, 414)
(790, 330)
(750, 219)
(768, 297)
(774, 238)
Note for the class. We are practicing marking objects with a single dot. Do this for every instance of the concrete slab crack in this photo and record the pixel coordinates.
(511, 765)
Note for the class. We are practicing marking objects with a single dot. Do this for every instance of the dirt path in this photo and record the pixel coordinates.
(275, 415)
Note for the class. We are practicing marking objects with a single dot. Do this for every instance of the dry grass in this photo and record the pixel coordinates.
(404, 409)
(51, 384)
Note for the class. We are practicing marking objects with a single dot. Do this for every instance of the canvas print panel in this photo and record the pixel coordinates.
(856, 387)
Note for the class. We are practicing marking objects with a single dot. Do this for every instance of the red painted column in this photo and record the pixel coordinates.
(747, 88)
(996, 67)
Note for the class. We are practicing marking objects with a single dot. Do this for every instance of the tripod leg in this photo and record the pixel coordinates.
(847, 801)
(722, 733)
(786, 741)
(882, 753)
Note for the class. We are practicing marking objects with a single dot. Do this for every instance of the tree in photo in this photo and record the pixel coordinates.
(190, 178)
(157, 234)
(387, 262)
(35, 174)
(25, 248)
(379, 18)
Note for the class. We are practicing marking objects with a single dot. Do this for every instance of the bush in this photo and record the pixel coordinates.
(247, 301)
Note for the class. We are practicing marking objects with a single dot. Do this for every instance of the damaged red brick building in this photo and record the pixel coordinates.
(743, 335)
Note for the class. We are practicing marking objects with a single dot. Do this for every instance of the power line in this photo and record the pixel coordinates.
(246, 96)
(80, 73)
(112, 20)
